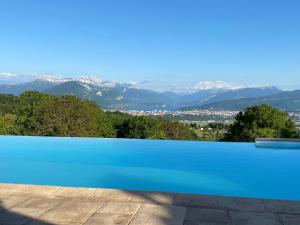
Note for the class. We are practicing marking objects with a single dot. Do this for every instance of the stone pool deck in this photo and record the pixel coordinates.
(49, 205)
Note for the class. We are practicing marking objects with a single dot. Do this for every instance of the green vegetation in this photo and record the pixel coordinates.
(7, 123)
(261, 121)
(212, 131)
(35, 113)
(7, 103)
(141, 127)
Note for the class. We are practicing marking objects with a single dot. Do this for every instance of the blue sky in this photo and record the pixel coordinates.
(176, 41)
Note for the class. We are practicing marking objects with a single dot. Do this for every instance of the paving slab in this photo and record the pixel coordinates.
(254, 218)
(290, 219)
(191, 200)
(9, 218)
(205, 223)
(8, 189)
(289, 207)
(36, 190)
(35, 207)
(197, 215)
(45, 205)
(72, 211)
(108, 219)
(153, 197)
(159, 215)
(9, 202)
(112, 195)
(40, 222)
(70, 192)
(241, 204)
(126, 208)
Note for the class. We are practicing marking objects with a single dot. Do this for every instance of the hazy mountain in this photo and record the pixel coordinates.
(207, 96)
(288, 100)
(111, 94)
(243, 93)
(17, 89)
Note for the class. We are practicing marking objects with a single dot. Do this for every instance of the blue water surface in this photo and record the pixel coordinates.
(232, 169)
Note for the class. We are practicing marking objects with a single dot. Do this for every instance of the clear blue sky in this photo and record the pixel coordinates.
(241, 41)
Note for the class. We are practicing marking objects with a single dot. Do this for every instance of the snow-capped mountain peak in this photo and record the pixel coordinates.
(222, 85)
(54, 79)
(86, 80)
(207, 85)
(91, 80)
(96, 81)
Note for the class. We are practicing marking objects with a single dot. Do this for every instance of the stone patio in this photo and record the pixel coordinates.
(45, 205)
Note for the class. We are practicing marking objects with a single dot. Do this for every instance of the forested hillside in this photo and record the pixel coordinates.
(35, 113)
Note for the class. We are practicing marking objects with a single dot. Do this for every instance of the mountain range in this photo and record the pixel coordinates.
(287, 101)
(113, 95)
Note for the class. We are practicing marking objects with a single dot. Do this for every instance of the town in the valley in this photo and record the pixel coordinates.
(208, 124)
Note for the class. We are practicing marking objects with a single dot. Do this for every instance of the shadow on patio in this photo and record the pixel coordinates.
(8, 217)
(151, 209)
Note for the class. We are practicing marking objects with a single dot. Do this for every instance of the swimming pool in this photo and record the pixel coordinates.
(232, 169)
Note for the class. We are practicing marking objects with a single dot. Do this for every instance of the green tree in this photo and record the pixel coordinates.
(7, 103)
(175, 130)
(26, 110)
(261, 121)
(71, 116)
(7, 124)
(141, 127)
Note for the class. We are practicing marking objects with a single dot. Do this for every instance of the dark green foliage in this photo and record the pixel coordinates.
(141, 127)
(261, 121)
(217, 126)
(177, 131)
(7, 124)
(70, 116)
(7, 103)
(43, 114)
(26, 111)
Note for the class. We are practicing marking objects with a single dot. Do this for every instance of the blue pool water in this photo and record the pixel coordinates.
(233, 169)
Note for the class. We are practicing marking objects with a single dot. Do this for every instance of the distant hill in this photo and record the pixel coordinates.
(114, 95)
(216, 95)
(17, 89)
(288, 100)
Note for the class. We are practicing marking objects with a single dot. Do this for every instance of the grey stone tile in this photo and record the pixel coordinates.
(120, 208)
(159, 215)
(108, 219)
(206, 215)
(290, 219)
(289, 207)
(71, 211)
(254, 218)
(241, 204)
(189, 200)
